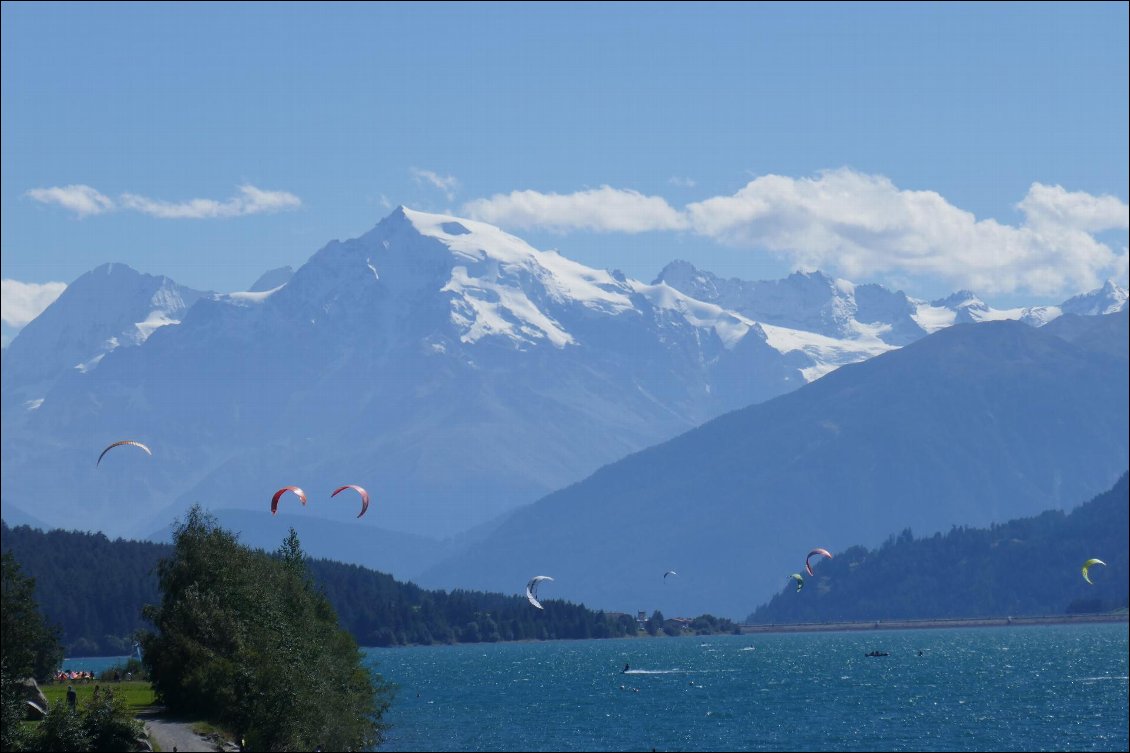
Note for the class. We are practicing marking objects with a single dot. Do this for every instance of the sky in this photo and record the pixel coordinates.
(927, 147)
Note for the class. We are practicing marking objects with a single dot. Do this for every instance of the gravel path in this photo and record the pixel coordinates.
(172, 735)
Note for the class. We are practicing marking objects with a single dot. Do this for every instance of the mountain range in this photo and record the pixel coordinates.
(449, 367)
(973, 425)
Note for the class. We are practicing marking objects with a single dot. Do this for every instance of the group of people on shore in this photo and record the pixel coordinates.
(84, 676)
(74, 676)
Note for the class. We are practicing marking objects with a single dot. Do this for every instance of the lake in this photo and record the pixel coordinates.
(1054, 687)
(95, 664)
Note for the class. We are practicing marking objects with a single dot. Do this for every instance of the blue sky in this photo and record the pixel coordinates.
(923, 146)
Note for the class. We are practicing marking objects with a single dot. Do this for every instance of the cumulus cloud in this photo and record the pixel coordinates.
(80, 199)
(445, 183)
(858, 225)
(1053, 205)
(20, 302)
(85, 201)
(601, 209)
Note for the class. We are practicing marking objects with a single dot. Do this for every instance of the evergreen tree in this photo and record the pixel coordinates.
(30, 646)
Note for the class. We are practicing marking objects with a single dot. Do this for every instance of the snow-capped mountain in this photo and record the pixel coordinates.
(1108, 299)
(813, 302)
(451, 368)
(112, 306)
(806, 302)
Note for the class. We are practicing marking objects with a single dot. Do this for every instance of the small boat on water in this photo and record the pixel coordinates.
(877, 653)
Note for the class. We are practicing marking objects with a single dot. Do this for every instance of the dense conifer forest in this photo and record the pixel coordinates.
(94, 588)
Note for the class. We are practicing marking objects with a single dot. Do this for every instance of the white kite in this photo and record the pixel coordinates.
(532, 589)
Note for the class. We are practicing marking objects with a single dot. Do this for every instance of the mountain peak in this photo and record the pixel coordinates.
(811, 275)
(272, 279)
(960, 299)
(112, 269)
(111, 306)
(675, 270)
(1108, 299)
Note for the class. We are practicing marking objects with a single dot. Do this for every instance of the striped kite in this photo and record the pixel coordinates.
(822, 552)
(117, 444)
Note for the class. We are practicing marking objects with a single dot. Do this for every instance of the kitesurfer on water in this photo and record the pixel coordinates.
(626, 667)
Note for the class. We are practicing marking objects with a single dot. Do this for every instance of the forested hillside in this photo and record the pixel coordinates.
(1028, 566)
(93, 588)
(90, 586)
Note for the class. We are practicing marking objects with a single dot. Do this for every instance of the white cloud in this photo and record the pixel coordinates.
(856, 225)
(1052, 205)
(445, 183)
(80, 199)
(251, 200)
(601, 209)
(20, 302)
(85, 200)
(675, 180)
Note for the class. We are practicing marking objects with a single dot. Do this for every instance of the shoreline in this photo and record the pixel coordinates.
(820, 627)
(828, 627)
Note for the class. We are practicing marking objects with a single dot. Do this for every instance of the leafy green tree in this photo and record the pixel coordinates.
(62, 730)
(244, 639)
(109, 725)
(655, 623)
(30, 646)
(11, 714)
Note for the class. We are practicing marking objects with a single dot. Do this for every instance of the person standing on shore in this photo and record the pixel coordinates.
(72, 697)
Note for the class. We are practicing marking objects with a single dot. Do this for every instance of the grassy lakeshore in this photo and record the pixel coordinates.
(138, 694)
(817, 627)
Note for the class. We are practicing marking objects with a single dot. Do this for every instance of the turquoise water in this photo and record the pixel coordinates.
(972, 689)
(93, 664)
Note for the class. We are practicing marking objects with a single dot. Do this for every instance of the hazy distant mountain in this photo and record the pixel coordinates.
(452, 369)
(813, 302)
(1027, 566)
(110, 307)
(972, 425)
(1102, 333)
(272, 279)
(809, 302)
